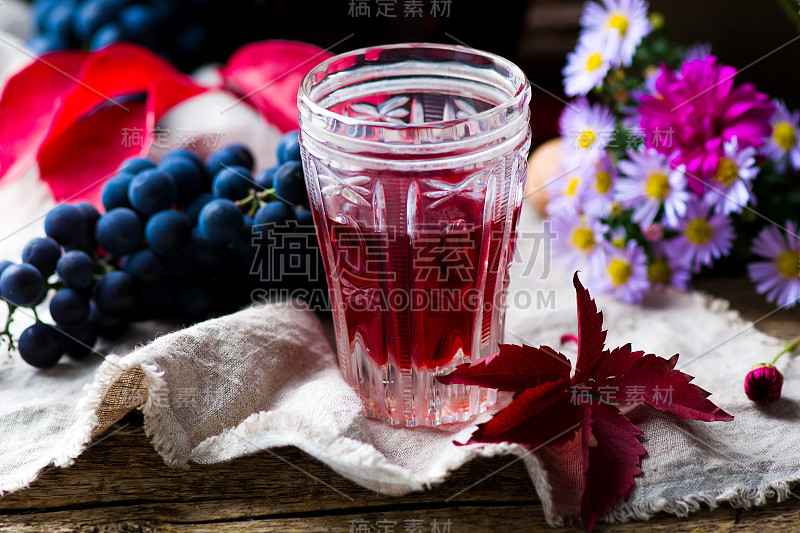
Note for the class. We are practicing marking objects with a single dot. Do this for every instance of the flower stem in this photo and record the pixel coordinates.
(789, 347)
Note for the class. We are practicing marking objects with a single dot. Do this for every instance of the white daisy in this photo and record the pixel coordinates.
(589, 63)
(623, 20)
(649, 183)
(624, 274)
(783, 146)
(729, 191)
(586, 131)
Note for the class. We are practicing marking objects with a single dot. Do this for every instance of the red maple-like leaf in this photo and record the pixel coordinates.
(549, 407)
(267, 75)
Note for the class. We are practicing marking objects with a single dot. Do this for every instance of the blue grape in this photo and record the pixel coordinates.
(273, 214)
(42, 44)
(69, 307)
(78, 341)
(159, 300)
(192, 39)
(76, 270)
(107, 326)
(193, 209)
(196, 301)
(151, 191)
(107, 35)
(21, 285)
(59, 21)
(205, 256)
(43, 253)
(115, 191)
(138, 21)
(290, 186)
(119, 231)
(221, 221)
(165, 12)
(230, 156)
(40, 10)
(168, 232)
(187, 155)
(289, 147)
(4, 265)
(91, 214)
(144, 265)
(233, 183)
(266, 178)
(66, 224)
(94, 14)
(304, 218)
(134, 165)
(40, 346)
(188, 179)
(115, 294)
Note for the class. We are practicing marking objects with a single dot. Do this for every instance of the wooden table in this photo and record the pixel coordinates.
(122, 485)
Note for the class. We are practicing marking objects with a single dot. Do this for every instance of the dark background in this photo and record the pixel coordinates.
(537, 35)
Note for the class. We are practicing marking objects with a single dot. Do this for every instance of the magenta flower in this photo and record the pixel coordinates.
(698, 109)
(763, 384)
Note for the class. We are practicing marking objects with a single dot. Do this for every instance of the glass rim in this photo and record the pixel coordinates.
(305, 100)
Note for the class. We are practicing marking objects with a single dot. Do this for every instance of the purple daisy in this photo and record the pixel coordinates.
(783, 146)
(565, 194)
(650, 183)
(731, 188)
(599, 195)
(703, 237)
(778, 278)
(589, 63)
(697, 109)
(665, 271)
(624, 274)
(579, 242)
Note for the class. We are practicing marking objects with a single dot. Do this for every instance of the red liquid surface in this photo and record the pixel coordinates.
(419, 297)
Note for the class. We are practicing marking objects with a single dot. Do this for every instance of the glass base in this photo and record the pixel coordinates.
(413, 397)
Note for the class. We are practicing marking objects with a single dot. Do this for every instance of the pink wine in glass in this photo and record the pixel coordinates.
(415, 160)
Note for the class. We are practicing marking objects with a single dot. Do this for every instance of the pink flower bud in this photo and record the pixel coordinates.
(653, 233)
(763, 384)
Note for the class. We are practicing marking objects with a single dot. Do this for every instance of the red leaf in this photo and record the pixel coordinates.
(591, 335)
(612, 458)
(536, 417)
(122, 69)
(513, 368)
(663, 387)
(267, 75)
(87, 140)
(30, 101)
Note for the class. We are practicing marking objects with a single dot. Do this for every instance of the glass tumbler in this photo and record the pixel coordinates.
(415, 161)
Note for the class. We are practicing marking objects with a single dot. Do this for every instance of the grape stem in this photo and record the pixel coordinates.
(7, 329)
(256, 199)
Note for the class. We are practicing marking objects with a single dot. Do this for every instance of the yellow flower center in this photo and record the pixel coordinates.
(619, 23)
(658, 271)
(594, 61)
(699, 231)
(657, 186)
(784, 135)
(603, 182)
(619, 270)
(789, 264)
(583, 239)
(619, 242)
(727, 172)
(586, 139)
(572, 188)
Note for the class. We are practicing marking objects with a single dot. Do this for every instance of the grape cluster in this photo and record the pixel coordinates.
(181, 238)
(188, 32)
